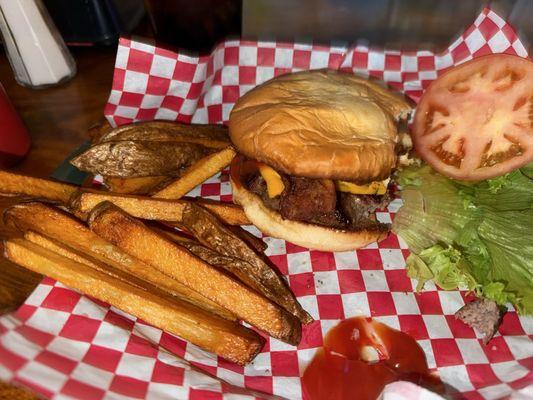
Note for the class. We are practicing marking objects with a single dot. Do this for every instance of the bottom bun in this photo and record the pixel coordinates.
(303, 234)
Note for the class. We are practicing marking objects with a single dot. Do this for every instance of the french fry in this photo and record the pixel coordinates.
(197, 173)
(214, 136)
(82, 243)
(15, 184)
(78, 256)
(229, 213)
(65, 251)
(156, 209)
(252, 269)
(141, 185)
(136, 239)
(225, 338)
(56, 247)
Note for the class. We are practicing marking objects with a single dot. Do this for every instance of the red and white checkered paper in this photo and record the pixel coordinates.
(65, 345)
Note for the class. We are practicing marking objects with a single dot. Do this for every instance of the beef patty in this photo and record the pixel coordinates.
(316, 201)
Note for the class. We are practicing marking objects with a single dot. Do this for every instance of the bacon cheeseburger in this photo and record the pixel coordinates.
(317, 151)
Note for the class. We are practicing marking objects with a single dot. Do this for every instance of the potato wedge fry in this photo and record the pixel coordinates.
(141, 185)
(131, 159)
(197, 173)
(215, 136)
(253, 270)
(156, 209)
(225, 338)
(15, 184)
(80, 240)
(139, 241)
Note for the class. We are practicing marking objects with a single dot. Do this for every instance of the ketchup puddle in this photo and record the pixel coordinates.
(338, 370)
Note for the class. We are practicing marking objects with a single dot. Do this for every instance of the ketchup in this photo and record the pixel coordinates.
(338, 371)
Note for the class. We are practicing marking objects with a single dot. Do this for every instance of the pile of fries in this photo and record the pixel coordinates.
(197, 282)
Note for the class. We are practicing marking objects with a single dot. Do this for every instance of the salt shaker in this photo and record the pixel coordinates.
(35, 49)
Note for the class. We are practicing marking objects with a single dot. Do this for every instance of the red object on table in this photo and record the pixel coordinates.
(14, 138)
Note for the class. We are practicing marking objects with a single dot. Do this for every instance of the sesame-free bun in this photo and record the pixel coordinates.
(320, 124)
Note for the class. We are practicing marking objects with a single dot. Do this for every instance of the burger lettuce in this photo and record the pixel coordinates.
(474, 235)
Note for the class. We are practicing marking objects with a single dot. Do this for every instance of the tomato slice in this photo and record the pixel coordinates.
(475, 121)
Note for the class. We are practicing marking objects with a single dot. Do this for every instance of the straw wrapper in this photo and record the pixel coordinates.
(65, 345)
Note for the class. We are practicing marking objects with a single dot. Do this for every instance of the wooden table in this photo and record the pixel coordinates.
(57, 119)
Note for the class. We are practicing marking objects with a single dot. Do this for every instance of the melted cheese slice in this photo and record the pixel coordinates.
(378, 187)
(275, 184)
(273, 180)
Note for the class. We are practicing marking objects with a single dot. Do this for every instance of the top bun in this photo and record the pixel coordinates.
(320, 124)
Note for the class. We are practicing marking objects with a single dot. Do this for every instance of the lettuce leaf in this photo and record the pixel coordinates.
(477, 236)
(444, 265)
